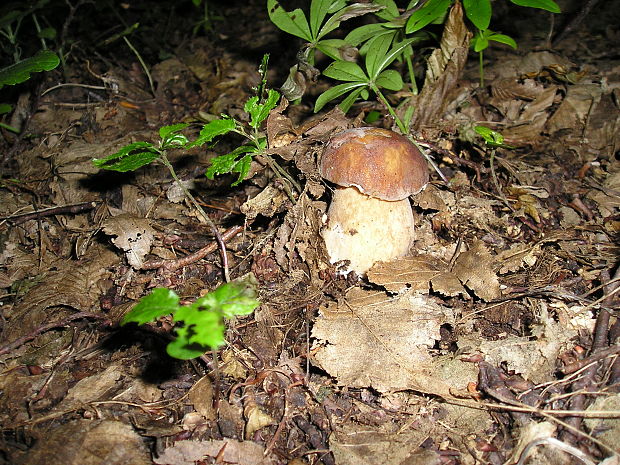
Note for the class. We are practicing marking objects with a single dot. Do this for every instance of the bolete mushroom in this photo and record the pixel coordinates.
(370, 218)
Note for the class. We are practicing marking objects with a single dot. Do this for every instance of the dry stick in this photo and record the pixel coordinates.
(46, 327)
(587, 381)
(171, 265)
(216, 233)
(60, 210)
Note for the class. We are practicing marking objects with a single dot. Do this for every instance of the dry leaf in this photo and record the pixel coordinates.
(372, 340)
(474, 268)
(238, 452)
(133, 235)
(201, 397)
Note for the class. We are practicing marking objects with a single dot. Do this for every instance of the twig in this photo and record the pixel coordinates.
(46, 327)
(171, 265)
(51, 211)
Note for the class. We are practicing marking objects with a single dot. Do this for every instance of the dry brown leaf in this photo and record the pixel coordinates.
(134, 235)
(88, 442)
(404, 273)
(474, 268)
(374, 340)
(444, 67)
(201, 397)
(256, 418)
(191, 451)
(268, 202)
(73, 283)
(354, 444)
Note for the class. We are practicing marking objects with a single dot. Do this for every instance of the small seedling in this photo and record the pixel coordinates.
(202, 322)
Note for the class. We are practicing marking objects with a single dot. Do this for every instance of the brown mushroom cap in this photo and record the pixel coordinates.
(379, 162)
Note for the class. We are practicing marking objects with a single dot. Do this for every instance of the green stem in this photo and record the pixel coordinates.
(218, 237)
(397, 120)
(144, 67)
(481, 68)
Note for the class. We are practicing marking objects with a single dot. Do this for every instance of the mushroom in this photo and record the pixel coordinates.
(370, 218)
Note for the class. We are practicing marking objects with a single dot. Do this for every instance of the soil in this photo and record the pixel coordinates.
(494, 341)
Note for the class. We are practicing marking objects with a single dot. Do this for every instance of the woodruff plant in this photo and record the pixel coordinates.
(379, 44)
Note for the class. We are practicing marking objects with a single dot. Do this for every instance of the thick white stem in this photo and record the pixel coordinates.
(366, 230)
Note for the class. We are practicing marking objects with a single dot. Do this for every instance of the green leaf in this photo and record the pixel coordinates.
(231, 163)
(390, 79)
(47, 33)
(430, 12)
(389, 12)
(260, 111)
(388, 58)
(332, 47)
(5, 108)
(238, 297)
(345, 71)
(479, 43)
(202, 325)
(351, 11)
(165, 131)
(294, 23)
(491, 137)
(377, 51)
(129, 158)
(213, 129)
(181, 349)
(504, 39)
(159, 302)
(336, 92)
(350, 99)
(548, 5)
(364, 33)
(478, 12)
(44, 60)
(318, 11)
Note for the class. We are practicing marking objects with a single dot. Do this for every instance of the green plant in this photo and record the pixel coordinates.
(381, 43)
(138, 154)
(479, 13)
(202, 321)
(380, 54)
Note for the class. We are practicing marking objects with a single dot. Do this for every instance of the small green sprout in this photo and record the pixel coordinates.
(202, 322)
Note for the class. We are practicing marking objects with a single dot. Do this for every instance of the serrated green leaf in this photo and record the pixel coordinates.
(231, 163)
(159, 302)
(238, 297)
(478, 12)
(430, 12)
(129, 158)
(260, 111)
(213, 129)
(336, 92)
(345, 71)
(548, 5)
(390, 79)
(165, 131)
(294, 23)
(504, 39)
(44, 60)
